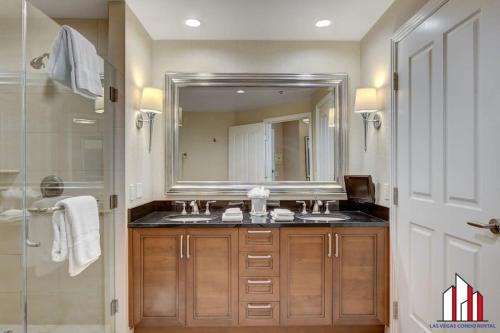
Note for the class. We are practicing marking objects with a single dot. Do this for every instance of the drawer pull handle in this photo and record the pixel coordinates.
(259, 281)
(264, 306)
(259, 231)
(260, 257)
(188, 255)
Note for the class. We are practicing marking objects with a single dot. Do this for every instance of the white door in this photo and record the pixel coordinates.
(247, 153)
(448, 164)
(324, 141)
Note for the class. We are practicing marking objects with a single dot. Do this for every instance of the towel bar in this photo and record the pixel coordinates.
(49, 210)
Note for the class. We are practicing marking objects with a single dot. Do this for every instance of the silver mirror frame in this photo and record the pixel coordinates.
(176, 188)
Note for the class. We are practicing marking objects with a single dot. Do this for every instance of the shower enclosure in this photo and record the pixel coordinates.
(53, 144)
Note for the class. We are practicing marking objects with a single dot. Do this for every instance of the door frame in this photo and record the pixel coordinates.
(269, 137)
(415, 21)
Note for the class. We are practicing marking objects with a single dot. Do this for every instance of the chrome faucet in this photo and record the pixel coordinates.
(183, 207)
(207, 207)
(194, 206)
(304, 207)
(327, 209)
(317, 205)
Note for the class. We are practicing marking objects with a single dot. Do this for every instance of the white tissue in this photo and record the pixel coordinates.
(258, 192)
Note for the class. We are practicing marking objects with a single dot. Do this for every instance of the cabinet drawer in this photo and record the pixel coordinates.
(259, 239)
(259, 264)
(260, 289)
(259, 313)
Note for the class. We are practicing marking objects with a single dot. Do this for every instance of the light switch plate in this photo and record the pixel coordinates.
(139, 190)
(131, 192)
(387, 194)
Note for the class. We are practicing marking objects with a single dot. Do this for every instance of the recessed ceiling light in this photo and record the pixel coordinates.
(240, 91)
(323, 23)
(193, 23)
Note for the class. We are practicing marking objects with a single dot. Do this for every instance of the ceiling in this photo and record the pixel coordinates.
(258, 19)
(73, 8)
(226, 99)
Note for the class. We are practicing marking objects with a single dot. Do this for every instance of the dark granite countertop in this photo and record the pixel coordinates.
(159, 220)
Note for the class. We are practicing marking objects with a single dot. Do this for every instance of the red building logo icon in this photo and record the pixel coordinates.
(461, 303)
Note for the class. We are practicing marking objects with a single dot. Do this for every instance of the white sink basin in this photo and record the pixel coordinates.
(321, 218)
(190, 218)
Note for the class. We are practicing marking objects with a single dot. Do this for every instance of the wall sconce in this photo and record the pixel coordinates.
(366, 105)
(151, 105)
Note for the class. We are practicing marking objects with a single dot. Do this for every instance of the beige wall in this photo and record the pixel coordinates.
(205, 159)
(253, 57)
(138, 50)
(376, 72)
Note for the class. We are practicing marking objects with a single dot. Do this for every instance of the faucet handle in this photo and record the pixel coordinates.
(304, 207)
(207, 205)
(327, 209)
(183, 203)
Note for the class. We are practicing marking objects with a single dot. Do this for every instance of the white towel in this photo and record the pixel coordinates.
(11, 215)
(282, 215)
(74, 62)
(233, 212)
(281, 211)
(232, 218)
(76, 233)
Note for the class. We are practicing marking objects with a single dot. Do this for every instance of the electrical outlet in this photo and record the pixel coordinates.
(139, 190)
(131, 192)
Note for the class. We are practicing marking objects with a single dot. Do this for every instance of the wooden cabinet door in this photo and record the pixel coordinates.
(360, 275)
(306, 276)
(212, 277)
(158, 276)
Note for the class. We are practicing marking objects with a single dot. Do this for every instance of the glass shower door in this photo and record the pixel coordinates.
(69, 152)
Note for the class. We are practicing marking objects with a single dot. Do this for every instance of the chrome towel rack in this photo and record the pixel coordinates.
(48, 210)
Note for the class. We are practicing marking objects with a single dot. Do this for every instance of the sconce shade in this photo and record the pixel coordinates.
(366, 100)
(152, 100)
(99, 105)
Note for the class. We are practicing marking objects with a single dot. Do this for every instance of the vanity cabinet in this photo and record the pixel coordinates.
(306, 276)
(288, 276)
(158, 276)
(360, 276)
(212, 277)
(185, 276)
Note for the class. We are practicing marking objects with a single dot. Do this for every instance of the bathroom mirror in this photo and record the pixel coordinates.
(229, 132)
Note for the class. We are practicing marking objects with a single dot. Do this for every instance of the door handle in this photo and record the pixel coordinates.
(336, 245)
(329, 245)
(181, 254)
(187, 247)
(493, 225)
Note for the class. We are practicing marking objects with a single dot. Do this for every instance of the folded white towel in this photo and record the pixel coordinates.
(74, 62)
(283, 218)
(76, 233)
(232, 218)
(233, 212)
(11, 215)
(281, 211)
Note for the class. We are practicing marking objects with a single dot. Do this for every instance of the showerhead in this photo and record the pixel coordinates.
(39, 62)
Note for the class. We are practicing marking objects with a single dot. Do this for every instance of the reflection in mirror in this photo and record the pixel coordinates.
(257, 134)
